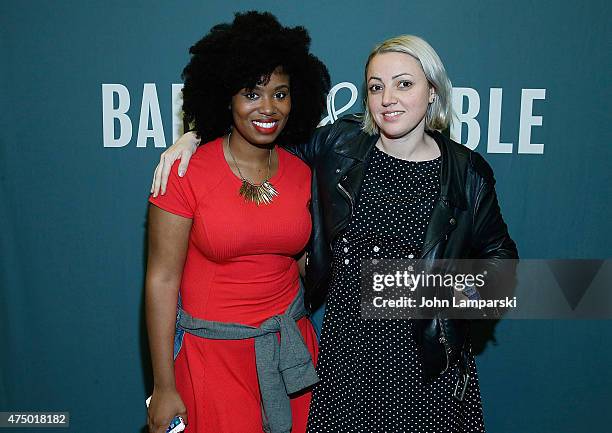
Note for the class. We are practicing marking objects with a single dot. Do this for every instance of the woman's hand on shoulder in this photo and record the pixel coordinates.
(183, 149)
(165, 405)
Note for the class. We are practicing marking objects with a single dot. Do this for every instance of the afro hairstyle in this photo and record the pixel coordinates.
(239, 55)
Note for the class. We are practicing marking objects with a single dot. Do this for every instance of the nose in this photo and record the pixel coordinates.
(388, 97)
(267, 106)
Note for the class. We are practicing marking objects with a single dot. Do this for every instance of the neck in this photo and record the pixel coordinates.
(416, 145)
(245, 151)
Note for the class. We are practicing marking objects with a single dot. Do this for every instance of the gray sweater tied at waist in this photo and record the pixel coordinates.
(283, 367)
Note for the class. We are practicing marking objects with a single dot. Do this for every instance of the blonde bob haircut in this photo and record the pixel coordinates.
(439, 112)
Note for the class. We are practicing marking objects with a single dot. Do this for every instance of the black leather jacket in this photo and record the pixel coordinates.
(466, 221)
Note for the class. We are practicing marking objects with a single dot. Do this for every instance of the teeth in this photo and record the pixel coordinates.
(395, 113)
(264, 124)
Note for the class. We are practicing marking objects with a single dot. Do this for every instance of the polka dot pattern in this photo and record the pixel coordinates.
(370, 370)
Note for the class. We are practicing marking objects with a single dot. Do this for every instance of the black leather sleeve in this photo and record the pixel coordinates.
(490, 232)
(309, 152)
(324, 138)
(491, 243)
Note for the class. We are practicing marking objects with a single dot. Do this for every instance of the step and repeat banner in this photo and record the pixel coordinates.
(90, 97)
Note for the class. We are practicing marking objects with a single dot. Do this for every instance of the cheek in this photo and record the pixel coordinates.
(239, 113)
(371, 103)
(286, 106)
(423, 99)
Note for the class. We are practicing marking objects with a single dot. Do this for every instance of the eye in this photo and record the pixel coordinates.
(404, 84)
(251, 96)
(375, 88)
(281, 95)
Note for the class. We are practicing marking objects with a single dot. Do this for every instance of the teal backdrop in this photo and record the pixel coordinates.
(73, 206)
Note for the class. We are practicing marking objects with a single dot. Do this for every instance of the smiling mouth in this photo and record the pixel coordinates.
(265, 125)
(392, 114)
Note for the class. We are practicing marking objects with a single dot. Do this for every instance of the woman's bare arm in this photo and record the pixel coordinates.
(168, 239)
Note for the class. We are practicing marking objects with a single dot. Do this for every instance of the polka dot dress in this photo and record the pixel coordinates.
(370, 371)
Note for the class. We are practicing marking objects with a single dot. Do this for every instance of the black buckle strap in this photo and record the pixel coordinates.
(459, 392)
(464, 373)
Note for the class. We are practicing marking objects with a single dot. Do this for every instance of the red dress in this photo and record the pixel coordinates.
(239, 268)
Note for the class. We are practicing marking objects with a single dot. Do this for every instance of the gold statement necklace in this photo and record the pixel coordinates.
(262, 193)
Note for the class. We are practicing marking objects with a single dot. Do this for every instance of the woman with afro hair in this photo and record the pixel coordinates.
(225, 239)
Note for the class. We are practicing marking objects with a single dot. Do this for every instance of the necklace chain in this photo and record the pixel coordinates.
(244, 179)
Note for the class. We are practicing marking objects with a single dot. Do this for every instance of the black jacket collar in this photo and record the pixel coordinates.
(452, 174)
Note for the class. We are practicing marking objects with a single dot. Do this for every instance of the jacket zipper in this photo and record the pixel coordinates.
(444, 342)
(341, 188)
(349, 197)
(443, 337)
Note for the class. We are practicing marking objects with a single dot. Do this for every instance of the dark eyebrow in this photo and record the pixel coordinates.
(281, 86)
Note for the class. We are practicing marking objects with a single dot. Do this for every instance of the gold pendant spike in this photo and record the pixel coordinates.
(258, 194)
(263, 193)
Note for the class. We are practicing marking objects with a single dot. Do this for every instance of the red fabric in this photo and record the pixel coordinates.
(239, 268)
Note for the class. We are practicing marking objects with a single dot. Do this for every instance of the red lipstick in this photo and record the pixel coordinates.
(265, 126)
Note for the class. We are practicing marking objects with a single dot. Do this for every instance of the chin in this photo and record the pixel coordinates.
(264, 140)
(396, 131)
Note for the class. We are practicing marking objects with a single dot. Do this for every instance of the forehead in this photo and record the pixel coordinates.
(390, 64)
(277, 78)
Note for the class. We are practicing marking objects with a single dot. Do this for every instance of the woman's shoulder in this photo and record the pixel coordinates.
(207, 158)
(205, 166)
(466, 156)
(349, 125)
(208, 151)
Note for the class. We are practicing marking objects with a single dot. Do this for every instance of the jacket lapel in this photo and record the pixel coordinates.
(452, 173)
(452, 193)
